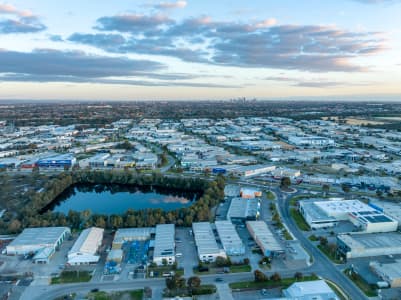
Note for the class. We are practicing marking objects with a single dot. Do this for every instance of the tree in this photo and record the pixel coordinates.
(298, 276)
(14, 226)
(260, 276)
(323, 241)
(175, 282)
(285, 182)
(194, 282)
(275, 277)
(222, 262)
(345, 188)
(326, 188)
(246, 261)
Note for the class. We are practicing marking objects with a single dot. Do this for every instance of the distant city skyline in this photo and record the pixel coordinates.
(200, 50)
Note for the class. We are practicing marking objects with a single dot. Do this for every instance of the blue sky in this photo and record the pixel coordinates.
(160, 50)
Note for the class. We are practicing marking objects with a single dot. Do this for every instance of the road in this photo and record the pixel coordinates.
(320, 261)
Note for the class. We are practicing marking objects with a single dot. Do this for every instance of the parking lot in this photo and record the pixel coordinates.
(185, 245)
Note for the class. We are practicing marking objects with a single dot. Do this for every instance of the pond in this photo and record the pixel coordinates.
(116, 199)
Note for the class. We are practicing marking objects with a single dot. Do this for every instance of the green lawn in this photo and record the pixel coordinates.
(72, 276)
(287, 235)
(313, 238)
(329, 254)
(283, 283)
(161, 269)
(213, 269)
(270, 195)
(126, 295)
(302, 225)
(240, 268)
(363, 286)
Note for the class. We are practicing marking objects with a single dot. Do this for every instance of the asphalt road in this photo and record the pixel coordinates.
(320, 262)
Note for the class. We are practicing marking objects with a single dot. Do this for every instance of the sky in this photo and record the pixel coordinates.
(200, 49)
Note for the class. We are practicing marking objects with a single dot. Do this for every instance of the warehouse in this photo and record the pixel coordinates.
(115, 255)
(131, 234)
(353, 245)
(253, 170)
(229, 238)
(241, 210)
(316, 289)
(264, 238)
(57, 161)
(248, 193)
(84, 250)
(206, 244)
(321, 214)
(164, 251)
(315, 216)
(389, 272)
(34, 240)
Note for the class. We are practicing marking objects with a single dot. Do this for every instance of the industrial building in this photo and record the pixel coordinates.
(41, 241)
(264, 238)
(57, 161)
(131, 234)
(241, 209)
(164, 250)
(316, 289)
(315, 216)
(253, 170)
(84, 250)
(249, 193)
(353, 245)
(206, 243)
(115, 255)
(388, 272)
(229, 238)
(367, 218)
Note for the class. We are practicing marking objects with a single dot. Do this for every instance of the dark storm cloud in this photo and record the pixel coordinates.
(22, 25)
(256, 45)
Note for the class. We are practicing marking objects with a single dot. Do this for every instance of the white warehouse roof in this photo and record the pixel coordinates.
(39, 236)
(164, 240)
(205, 239)
(88, 241)
(229, 237)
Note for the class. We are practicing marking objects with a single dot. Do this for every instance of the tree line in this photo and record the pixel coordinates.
(32, 215)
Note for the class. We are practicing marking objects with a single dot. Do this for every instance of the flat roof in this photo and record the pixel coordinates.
(343, 206)
(390, 270)
(88, 241)
(205, 239)
(264, 235)
(315, 212)
(372, 240)
(243, 207)
(228, 235)
(124, 234)
(39, 236)
(164, 240)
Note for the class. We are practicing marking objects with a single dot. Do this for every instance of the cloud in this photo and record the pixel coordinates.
(261, 44)
(45, 65)
(23, 25)
(25, 21)
(71, 63)
(12, 10)
(171, 5)
(133, 23)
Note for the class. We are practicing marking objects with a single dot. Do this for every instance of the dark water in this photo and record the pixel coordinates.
(116, 199)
